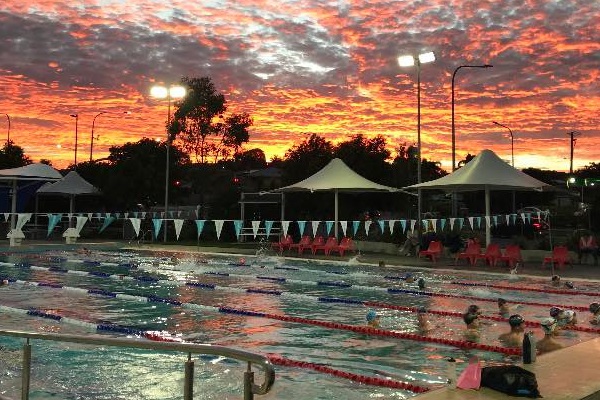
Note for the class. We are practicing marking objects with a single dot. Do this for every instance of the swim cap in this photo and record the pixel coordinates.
(548, 325)
(501, 301)
(554, 311)
(555, 278)
(569, 284)
(473, 309)
(421, 310)
(515, 320)
(469, 317)
(421, 283)
(371, 315)
(594, 308)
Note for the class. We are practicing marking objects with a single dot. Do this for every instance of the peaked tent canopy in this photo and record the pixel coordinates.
(71, 185)
(337, 177)
(484, 172)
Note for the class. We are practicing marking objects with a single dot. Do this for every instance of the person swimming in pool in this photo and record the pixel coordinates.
(514, 338)
(548, 343)
(372, 319)
(595, 310)
(564, 318)
(503, 308)
(555, 280)
(424, 324)
(471, 334)
(421, 283)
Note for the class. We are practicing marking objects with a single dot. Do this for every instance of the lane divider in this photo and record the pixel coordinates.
(570, 292)
(275, 359)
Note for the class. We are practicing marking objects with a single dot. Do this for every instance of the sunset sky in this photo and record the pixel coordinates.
(307, 66)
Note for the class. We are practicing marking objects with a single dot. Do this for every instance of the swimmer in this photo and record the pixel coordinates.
(472, 322)
(409, 278)
(595, 310)
(555, 280)
(372, 319)
(514, 338)
(421, 283)
(564, 318)
(548, 343)
(503, 308)
(424, 324)
(473, 309)
(382, 263)
(569, 285)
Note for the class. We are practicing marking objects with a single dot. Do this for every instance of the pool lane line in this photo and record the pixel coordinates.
(321, 299)
(275, 359)
(326, 324)
(569, 292)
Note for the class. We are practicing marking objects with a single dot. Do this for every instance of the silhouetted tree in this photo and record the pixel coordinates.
(12, 156)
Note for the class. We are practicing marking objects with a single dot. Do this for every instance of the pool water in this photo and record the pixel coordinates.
(290, 287)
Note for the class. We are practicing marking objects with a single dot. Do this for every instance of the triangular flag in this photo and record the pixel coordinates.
(367, 226)
(255, 226)
(344, 225)
(355, 225)
(219, 227)
(136, 223)
(178, 225)
(268, 227)
(391, 224)
(443, 223)
(6, 215)
(434, 222)
(507, 217)
(523, 217)
(471, 222)
(157, 223)
(478, 220)
(200, 226)
(53, 220)
(412, 224)
(237, 225)
(80, 223)
(461, 223)
(403, 225)
(487, 221)
(315, 227)
(106, 223)
(328, 226)
(425, 224)
(285, 226)
(22, 219)
(452, 223)
(301, 227)
(381, 226)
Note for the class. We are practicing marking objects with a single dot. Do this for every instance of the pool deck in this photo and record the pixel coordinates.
(571, 373)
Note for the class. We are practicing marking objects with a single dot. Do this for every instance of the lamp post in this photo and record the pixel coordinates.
(409, 61)
(93, 125)
(171, 92)
(8, 132)
(76, 116)
(573, 135)
(512, 142)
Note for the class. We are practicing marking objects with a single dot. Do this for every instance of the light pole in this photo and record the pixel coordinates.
(93, 124)
(512, 142)
(573, 135)
(171, 92)
(453, 126)
(8, 132)
(409, 61)
(76, 116)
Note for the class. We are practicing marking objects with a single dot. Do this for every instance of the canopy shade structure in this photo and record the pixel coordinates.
(484, 172)
(71, 185)
(337, 177)
(32, 173)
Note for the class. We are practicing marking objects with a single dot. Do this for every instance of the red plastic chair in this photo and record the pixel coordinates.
(471, 253)
(434, 250)
(317, 241)
(512, 255)
(304, 241)
(346, 245)
(560, 256)
(283, 243)
(491, 256)
(326, 247)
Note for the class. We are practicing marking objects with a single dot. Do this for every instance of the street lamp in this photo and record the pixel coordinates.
(94, 123)
(76, 116)
(8, 132)
(453, 127)
(171, 92)
(409, 61)
(512, 142)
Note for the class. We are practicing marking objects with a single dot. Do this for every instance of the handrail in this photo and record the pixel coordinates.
(250, 388)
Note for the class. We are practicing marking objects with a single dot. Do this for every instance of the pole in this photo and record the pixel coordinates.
(92, 140)
(8, 132)
(572, 134)
(168, 164)
(419, 193)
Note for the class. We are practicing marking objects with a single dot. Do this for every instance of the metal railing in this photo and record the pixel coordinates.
(250, 388)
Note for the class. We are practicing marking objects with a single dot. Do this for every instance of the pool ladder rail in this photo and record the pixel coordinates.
(250, 388)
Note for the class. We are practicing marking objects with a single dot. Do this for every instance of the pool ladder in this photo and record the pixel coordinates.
(250, 388)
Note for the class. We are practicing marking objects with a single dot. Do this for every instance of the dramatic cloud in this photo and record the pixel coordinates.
(301, 67)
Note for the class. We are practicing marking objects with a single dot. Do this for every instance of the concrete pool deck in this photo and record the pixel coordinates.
(571, 373)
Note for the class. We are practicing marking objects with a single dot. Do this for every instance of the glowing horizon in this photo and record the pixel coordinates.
(328, 68)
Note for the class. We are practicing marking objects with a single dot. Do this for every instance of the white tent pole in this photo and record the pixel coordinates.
(488, 234)
(71, 208)
(282, 206)
(13, 208)
(335, 231)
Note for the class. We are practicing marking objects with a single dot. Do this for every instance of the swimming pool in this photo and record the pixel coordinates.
(307, 315)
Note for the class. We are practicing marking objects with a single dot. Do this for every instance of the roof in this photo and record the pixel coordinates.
(31, 172)
(71, 184)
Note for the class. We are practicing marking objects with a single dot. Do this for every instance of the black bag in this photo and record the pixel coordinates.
(510, 379)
